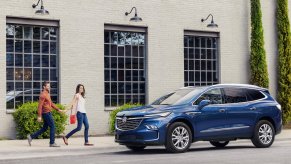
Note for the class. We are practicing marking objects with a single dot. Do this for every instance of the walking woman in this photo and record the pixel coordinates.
(78, 105)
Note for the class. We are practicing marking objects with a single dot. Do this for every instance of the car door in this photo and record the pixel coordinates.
(241, 114)
(210, 121)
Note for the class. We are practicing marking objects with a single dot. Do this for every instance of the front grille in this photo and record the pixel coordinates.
(130, 124)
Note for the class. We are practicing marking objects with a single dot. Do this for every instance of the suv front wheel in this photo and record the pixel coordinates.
(264, 134)
(179, 138)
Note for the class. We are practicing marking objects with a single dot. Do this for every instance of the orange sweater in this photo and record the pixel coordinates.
(45, 103)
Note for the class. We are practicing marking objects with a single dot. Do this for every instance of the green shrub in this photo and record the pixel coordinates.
(114, 112)
(284, 58)
(258, 63)
(25, 118)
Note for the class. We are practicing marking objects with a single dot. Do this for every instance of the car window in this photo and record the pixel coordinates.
(253, 95)
(179, 97)
(234, 95)
(213, 95)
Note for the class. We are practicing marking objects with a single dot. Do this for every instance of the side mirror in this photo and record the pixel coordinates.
(203, 103)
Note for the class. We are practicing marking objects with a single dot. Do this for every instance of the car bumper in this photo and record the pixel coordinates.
(142, 135)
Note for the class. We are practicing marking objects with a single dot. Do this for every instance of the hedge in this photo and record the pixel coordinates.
(284, 58)
(114, 112)
(25, 118)
(258, 63)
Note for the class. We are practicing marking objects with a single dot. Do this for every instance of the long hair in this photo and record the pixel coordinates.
(77, 90)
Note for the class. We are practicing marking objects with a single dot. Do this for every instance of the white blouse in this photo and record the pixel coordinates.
(81, 103)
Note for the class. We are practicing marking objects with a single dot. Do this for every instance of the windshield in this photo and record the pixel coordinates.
(178, 97)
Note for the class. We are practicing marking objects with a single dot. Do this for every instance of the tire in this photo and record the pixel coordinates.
(264, 134)
(179, 138)
(219, 144)
(136, 148)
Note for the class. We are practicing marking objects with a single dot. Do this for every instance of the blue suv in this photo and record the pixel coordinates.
(218, 114)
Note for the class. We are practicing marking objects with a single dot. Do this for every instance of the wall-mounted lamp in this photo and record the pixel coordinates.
(212, 24)
(135, 18)
(41, 11)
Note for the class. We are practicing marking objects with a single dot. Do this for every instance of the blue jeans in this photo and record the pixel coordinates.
(82, 119)
(48, 122)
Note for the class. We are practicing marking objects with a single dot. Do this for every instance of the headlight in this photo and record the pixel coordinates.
(164, 114)
(278, 106)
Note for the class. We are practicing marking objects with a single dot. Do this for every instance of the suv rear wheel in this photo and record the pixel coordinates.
(179, 138)
(219, 144)
(264, 134)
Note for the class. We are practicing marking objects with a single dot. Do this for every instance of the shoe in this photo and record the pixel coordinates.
(29, 139)
(65, 140)
(54, 145)
(88, 144)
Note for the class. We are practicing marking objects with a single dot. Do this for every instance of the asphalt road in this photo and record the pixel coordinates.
(201, 152)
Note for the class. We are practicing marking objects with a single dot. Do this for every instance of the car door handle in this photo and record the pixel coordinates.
(253, 108)
(221, 110)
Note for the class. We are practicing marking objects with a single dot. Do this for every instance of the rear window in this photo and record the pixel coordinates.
(253, 95)
(234, 95)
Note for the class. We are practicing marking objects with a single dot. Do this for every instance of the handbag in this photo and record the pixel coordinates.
(73, 118)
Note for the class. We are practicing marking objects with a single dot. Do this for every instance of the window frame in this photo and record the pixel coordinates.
(205, 71)
(31, 24)
(130, 29)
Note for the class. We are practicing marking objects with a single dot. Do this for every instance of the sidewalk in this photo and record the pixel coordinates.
(19, 149)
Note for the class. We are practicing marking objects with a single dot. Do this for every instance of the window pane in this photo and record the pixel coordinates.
(113, 62)
(106, 49)
(120, 100)
(106, 37)
(27, 46)
(18, 32)
(120, 51)
(53, 33)
(53, 61)
(27, 60)
(53, 48)
(45, 33)
(18, 46)
(27, 32)
(36, 61)
(121, 63)
(135, 51)
(9, 60)
(53, 73)
(113, 75)
(9, 74)
(121, 87)
(9, 31)
(9, 45)
(45, 60)
(107, 62)
(18, 74)
(107, 75)
(45, 74)
(121, 75)
(45, 47)
(141, 51)
(36, 33)
(107, 100)
(36, 74)
(113, 87)
(36, 47)
(107, 87)
(27, 74)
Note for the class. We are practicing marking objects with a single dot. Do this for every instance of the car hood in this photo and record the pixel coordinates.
(145, 110)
